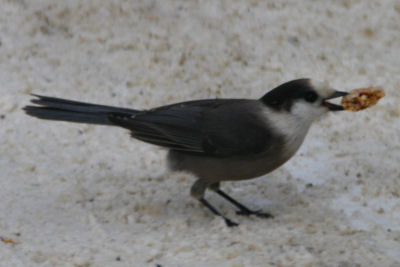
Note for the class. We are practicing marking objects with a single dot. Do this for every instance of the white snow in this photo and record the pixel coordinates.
(81, 195)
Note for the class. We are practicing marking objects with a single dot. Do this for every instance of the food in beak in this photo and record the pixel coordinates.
(362, 98)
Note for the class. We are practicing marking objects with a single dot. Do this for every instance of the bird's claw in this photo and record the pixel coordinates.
(257, 213)
(230, 223)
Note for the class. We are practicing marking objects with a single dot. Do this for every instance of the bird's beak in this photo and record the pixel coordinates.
(331, 106)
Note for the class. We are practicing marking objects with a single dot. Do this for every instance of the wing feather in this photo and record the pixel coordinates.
(211, 127)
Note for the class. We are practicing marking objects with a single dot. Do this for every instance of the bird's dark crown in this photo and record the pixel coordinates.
(283, 96)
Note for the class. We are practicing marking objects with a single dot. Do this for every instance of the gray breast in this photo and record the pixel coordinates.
(215, 169)
(253, 145)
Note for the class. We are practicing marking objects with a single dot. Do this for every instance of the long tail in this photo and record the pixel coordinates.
(51, 108)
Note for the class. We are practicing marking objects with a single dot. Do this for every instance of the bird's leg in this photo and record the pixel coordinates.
(228, 221)
(197, 191)
(243, 210)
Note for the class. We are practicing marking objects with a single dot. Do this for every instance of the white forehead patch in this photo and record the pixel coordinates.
(322, 88)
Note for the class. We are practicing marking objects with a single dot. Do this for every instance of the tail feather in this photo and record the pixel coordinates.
(51, 108)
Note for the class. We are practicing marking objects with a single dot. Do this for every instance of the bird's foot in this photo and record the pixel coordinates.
(258, 213)
(230, 223)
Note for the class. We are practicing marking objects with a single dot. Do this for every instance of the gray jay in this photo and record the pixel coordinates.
(216, 140)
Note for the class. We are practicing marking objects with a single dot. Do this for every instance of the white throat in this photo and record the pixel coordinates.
(294, 125)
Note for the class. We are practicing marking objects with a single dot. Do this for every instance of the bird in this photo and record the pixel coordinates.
(216, 140)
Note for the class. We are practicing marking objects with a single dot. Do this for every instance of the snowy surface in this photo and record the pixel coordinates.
(79, 195)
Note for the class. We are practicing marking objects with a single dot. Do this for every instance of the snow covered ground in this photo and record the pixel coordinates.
(79, 195)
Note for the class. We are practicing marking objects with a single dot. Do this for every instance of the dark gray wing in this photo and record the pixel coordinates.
(220, 127)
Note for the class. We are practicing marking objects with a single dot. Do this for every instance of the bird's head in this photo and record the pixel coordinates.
(305, 99)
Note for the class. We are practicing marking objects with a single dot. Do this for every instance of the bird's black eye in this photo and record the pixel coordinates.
(310, 97)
